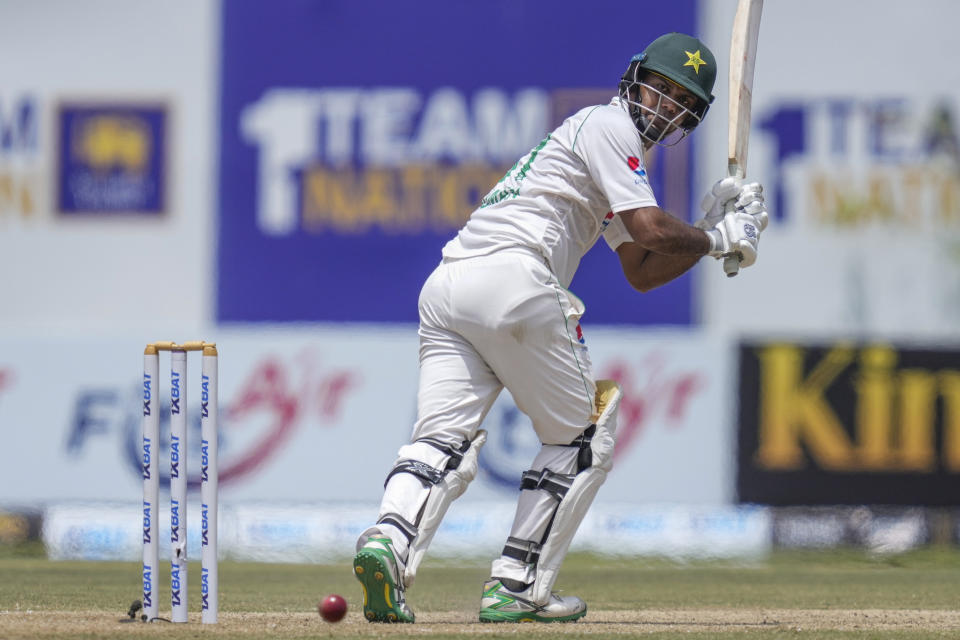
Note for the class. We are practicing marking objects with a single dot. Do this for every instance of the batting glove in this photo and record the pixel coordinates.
(750, 201)
(715, 201)
(735, 234)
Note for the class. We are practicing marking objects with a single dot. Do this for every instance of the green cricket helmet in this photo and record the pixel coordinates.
(685, 61)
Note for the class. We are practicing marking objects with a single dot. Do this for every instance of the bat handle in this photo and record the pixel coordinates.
(731, 263)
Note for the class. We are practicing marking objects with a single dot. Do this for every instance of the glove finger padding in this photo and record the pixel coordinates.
(714, 201)
(761, 218)
(720, 192)
(750, 192)
(758, 211)
(750, 201)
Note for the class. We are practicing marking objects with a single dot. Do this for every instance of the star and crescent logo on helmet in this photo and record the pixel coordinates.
(694, 60)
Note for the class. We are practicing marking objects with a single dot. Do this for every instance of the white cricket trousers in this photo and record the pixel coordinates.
(494, 321)
(486, 323)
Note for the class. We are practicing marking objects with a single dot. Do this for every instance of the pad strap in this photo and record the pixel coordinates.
(585, 457)
(428, 475)
(526, 551)
(407, 528)
(556, 484)
(456, 454)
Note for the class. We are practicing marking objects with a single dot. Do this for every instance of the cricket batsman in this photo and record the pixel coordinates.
(496, 312)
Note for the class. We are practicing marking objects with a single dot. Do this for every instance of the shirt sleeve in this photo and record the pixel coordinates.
(615, 233)
(610, 147)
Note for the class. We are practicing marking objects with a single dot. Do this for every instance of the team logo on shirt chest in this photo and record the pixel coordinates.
(634, 164)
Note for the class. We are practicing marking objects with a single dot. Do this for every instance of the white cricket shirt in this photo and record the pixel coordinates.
(561, 196)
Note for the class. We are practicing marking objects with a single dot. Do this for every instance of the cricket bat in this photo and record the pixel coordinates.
(743, 54)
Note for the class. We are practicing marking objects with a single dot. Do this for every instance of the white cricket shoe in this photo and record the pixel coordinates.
(499, 604)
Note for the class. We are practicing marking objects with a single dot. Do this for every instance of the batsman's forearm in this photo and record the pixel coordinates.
(656, 230)
(646, 270)
(659, 269)
(683, 241)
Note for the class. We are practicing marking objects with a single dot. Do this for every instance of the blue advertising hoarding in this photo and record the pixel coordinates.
(356, 138)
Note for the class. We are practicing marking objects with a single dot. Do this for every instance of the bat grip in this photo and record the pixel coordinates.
(731, 265)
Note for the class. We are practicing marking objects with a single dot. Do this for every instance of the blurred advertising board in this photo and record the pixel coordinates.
(861, 176)
(355, 143)
(846, 423)
(107, 165)
(879, 529)
(318, 415)
(322, 532)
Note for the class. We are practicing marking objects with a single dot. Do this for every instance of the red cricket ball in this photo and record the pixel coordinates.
(333, 608)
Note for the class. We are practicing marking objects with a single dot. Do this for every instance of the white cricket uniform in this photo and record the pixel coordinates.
(496, 311)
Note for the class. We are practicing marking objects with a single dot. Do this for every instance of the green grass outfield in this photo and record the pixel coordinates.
(836, 594)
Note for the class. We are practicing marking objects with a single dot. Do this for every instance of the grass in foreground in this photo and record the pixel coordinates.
(626, 596)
